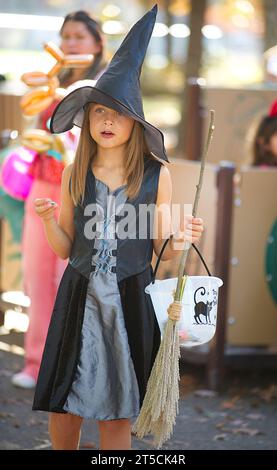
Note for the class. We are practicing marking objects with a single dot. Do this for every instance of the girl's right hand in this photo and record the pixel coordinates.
(174, 310)
(45, 208)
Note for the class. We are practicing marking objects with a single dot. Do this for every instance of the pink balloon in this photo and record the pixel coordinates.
(16, 176)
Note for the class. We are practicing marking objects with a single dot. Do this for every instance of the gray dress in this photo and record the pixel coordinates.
(105, 385)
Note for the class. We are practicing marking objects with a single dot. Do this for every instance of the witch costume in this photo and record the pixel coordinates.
(103, 336)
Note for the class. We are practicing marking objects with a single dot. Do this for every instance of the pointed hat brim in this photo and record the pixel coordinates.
(70, 112)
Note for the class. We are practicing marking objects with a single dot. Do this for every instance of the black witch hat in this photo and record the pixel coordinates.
(117, 88)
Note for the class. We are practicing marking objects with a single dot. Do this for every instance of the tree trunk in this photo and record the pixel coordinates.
(270, 19)
(168, 22)
(193, 67)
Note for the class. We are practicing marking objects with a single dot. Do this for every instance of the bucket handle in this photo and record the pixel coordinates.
(160, 255)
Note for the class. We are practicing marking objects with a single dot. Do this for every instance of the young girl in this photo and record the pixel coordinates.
(103, 337)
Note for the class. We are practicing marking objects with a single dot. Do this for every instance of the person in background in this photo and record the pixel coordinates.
(265, 141)
(80, 34)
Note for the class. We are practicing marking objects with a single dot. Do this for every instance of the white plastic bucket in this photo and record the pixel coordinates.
(197, 324)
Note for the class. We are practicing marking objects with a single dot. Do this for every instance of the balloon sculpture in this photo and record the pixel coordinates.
(36, 101)
(11, 209)
(16, 179)
(38, 150)
(19, 167)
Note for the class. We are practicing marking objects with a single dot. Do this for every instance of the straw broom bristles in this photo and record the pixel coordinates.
(160, 405)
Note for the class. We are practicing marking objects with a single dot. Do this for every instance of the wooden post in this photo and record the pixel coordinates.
(192, 68)
(193, 131)
(215, 365)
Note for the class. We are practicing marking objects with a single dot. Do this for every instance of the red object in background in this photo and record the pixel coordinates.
(47, 168)
(46, 114)
(273, 109)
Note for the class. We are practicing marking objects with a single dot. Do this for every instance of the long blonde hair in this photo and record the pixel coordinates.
(87, 147)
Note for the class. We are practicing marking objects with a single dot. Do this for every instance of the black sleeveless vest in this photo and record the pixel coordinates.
(134, 254)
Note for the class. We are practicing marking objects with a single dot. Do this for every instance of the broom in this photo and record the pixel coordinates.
(160, 405)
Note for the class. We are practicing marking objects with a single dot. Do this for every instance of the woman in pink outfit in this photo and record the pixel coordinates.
(80, 34)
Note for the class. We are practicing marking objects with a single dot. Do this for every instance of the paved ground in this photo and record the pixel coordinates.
(242, 416)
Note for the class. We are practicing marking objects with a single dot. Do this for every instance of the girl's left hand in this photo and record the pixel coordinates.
(190, 230)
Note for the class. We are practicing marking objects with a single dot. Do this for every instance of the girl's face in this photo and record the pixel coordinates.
(109, 128)
(76, 39)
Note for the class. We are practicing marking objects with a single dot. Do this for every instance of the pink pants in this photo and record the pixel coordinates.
(42, 272)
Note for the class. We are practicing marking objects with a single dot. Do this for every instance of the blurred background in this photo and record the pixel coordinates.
(221, 42)
(203, 55)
